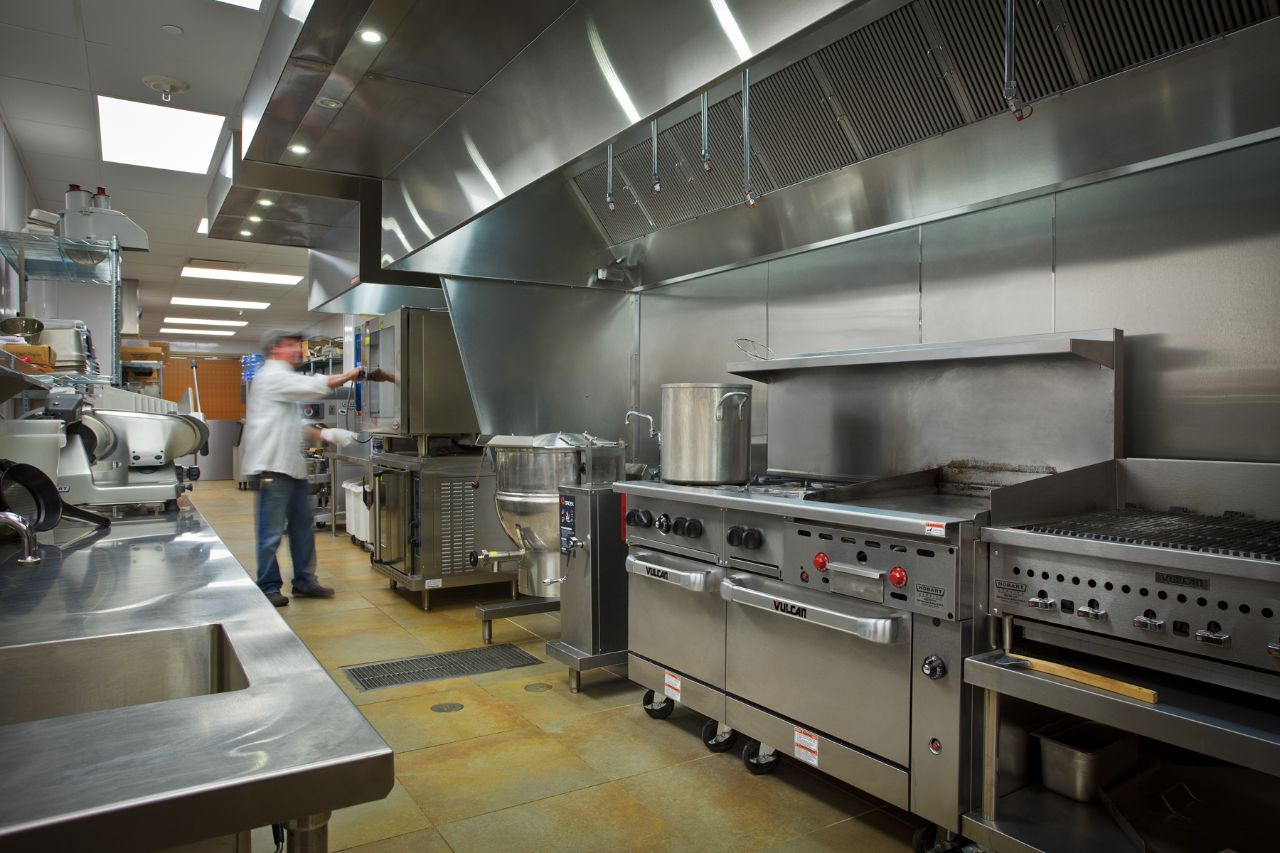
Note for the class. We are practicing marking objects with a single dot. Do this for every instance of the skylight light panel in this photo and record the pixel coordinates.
(157, 137)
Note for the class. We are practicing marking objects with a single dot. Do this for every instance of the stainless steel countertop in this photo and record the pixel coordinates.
(871, 514)
(136, 778)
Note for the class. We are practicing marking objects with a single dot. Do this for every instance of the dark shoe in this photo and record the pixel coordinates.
(313, 591)
(277, 598)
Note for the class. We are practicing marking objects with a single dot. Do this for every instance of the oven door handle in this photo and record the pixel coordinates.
(881, 629)
(695, 581)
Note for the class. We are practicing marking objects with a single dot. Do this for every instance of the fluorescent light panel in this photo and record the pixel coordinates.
(157, 137)
(203, 227)
(165, 330)
(196, 321)
(255, 5)
(218, 303)
(240, 275)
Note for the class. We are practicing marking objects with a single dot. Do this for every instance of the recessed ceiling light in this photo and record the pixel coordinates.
(299, 149)
(218, 303)
(255, 5)
(203, 227)
(165, 330)
(255, 218)
(371, 37)
(328, 103)
(240, 275)
(196, 321)
(157, 137)
(265, 202)
(171, 29)
(246, 233)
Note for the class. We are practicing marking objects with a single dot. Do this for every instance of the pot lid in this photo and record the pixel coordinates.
(548, 441)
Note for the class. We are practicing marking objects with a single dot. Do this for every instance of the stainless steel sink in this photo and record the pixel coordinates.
(45, 680)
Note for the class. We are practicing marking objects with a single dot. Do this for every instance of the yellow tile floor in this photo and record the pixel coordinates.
(535, 769)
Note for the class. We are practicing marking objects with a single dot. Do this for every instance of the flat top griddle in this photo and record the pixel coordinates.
(1226, 535)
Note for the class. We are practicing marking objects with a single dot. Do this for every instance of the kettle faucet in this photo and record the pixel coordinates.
(653, 432)
(30, 547)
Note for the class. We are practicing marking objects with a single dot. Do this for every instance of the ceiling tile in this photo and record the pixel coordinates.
(54, 139)
(164, 181)
(44, 102)
(50, 16)
(50, 175)
(34, 55)
(217, 86)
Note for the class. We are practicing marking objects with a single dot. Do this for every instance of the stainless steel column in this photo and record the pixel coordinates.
(309, 834)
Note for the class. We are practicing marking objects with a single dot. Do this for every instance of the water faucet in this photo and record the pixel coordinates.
(653, 432)
(30, 547)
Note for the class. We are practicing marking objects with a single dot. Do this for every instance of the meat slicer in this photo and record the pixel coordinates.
(111, 457)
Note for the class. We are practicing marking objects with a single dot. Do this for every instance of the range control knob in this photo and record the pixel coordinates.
(821, 561)
(934, 667)
(664, 523)
(734, 536)
(693, 529)
(633, 518)
(679, 526)
(644, 518)
(898, 576)
(752, 538)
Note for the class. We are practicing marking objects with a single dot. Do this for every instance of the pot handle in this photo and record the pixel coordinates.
(741, 403)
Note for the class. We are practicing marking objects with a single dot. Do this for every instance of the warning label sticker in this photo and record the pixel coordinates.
(671, 685)
(935, 528)
(435, 583)
(806, 746)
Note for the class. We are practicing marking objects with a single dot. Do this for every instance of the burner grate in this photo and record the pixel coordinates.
(1227, 535)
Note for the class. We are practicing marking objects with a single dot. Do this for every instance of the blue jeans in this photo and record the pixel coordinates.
(283, 504)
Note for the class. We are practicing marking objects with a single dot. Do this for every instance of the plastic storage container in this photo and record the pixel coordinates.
(357, 514)
(1078, 757)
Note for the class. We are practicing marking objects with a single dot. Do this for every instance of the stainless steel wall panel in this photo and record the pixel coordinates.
(1184, 259)
(687, 334)
(544, 358)
(861, 294)
(988, 274)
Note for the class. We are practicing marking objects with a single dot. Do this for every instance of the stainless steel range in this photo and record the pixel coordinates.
(830, 621)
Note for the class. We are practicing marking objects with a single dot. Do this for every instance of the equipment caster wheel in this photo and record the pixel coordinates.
(924, 839)
(660, 710)
(716, 740)
(354, 540)
(758, 766)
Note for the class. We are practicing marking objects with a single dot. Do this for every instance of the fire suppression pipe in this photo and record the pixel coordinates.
(1020, 109)
(706, 136)
(752, 199)
(608, 181)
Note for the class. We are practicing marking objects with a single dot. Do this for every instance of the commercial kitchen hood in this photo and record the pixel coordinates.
(865, 116)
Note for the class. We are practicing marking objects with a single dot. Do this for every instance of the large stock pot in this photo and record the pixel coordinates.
(706, 433)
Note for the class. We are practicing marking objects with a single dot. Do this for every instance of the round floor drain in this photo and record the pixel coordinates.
(447, 707)
(537, 687)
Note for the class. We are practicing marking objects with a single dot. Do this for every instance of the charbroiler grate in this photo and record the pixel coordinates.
(1227, 535)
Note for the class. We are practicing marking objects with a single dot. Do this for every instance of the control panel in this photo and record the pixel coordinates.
(1211, 615)
(753, 541)
(674, 525)
(916, 575)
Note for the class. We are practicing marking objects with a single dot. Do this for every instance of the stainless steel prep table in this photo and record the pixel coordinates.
(286, 745)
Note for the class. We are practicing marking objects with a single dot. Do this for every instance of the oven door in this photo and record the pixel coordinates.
(389, 514)
(675, 616)
(384, 343)
(837, 665)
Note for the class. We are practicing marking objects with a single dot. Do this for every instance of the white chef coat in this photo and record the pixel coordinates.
(272, 439)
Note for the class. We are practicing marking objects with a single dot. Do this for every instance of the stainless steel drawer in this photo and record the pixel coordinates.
(842, 667)
(675, 615)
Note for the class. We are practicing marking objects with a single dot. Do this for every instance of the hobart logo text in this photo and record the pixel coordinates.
(790, 609)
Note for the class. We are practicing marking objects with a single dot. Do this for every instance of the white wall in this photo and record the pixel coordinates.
(16, 200)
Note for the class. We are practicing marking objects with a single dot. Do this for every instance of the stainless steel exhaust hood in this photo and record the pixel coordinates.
(903, 120)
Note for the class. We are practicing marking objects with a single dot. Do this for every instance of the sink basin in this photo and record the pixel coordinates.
(45, 680)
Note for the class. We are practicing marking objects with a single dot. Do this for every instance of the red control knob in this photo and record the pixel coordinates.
(820, 561)
(898, 576)
(804, 576)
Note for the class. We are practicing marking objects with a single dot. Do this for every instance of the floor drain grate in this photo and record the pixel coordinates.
(415, 670)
